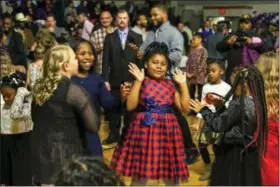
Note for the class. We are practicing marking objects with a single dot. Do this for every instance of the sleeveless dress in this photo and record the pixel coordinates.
(153, 146)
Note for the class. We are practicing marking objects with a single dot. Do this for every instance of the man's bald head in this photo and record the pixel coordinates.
(106, 18)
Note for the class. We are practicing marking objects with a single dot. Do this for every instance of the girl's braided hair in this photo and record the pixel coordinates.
(14, 80)
(255, 82)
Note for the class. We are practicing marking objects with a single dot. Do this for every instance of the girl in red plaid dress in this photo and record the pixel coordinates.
(153, 146)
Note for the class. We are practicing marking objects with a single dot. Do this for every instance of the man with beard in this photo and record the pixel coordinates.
(141, 26)
(14, 42)
(117, 55)
(163, 31)
(98, 37)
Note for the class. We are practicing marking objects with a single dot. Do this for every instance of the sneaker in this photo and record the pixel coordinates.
(207, 173)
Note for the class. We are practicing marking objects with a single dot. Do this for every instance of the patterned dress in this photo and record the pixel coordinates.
(153, 147)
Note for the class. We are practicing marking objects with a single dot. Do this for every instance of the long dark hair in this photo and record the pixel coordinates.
(255, 82)
(75, 44)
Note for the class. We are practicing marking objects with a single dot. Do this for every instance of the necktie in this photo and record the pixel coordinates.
(123, 39)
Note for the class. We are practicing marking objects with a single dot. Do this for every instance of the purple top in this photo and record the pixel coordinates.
(249, 54)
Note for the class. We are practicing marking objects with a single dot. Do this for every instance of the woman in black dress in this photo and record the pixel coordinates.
(62, 112)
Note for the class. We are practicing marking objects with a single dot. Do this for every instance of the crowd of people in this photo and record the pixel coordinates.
(62, 70)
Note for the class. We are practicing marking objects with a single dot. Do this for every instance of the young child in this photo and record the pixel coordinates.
(215, 85)
(94, 85)
(16, 125)
(153, 146)
(196, 65)
(269, 67)
(244, 125)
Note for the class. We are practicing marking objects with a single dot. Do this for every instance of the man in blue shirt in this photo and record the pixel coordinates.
(164, 32)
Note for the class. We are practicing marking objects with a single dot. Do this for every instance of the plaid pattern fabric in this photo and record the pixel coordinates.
(156, 151)
(97, 39)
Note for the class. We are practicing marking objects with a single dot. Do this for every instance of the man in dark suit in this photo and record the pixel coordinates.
(116, 57)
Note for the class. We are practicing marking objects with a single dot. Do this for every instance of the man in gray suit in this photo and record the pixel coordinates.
(214, 39)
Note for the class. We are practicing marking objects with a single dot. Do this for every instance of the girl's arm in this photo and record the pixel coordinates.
(28, 76)
(219, 121)
(105, 98)
(182, 99)
(133, 97)
(86, 112)
(19, 109)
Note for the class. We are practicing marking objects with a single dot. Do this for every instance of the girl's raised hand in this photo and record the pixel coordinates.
(179, 76)
(197, 106)
(134, 70)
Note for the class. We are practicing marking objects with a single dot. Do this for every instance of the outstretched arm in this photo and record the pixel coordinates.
(133, 97)
(219, 121)
(182, 98)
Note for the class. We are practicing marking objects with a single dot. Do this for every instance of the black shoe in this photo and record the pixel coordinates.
(110, 140)
(192, 157)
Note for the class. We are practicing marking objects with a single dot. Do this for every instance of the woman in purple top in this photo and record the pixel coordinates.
(94, 84)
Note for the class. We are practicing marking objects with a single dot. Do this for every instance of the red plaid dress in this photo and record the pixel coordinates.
(154, 151)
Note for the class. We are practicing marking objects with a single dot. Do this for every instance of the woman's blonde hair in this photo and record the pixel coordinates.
(269, 67)
(51, 72)
(5, 63)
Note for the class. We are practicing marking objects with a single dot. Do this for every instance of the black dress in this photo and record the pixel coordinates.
(59, 130)
(234, 165)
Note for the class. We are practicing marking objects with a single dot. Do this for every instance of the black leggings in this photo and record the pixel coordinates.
(205, 153)
(192, 91)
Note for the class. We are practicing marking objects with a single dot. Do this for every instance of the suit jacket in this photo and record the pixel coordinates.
(212, 42)
(16, 49)
(116, 59)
